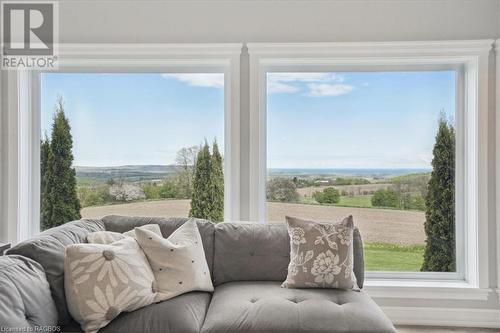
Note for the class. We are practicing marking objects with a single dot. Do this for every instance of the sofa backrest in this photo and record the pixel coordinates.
(246, 251)
(235, 251)
(48, 249)
(122, 224)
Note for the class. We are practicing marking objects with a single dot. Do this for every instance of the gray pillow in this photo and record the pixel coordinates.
(48, 249)
(25, 301)
(321, 254)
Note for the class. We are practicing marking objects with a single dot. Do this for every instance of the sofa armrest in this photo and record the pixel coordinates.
(359, 258)
(26, 304)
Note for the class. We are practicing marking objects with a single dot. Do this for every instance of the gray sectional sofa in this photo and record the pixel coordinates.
(248, 262)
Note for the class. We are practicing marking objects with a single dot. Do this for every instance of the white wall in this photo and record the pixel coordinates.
(278, 20)
(112, 21)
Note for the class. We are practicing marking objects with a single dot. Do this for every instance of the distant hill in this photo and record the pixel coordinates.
(128, 173)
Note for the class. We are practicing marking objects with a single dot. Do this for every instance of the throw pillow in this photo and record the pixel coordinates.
(108, 237)
(321, 254)
(101, 281)
(104, 237)
(178, 262)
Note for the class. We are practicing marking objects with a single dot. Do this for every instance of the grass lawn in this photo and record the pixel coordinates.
(363, 201)
(391, 257)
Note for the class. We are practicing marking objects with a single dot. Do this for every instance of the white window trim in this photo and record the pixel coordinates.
(471, 58)
(21, 170)
(497, 163)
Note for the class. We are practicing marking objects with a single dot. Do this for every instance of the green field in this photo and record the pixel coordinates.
(391, 257)
(362, 201)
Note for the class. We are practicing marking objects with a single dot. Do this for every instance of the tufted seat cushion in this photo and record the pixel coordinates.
(25, 301)
(181, 314)
(258, 307)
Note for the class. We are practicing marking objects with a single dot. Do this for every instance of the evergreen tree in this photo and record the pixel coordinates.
(61, 203)
(440, 204)
(44, 157)
(201, 200)
(217, 185)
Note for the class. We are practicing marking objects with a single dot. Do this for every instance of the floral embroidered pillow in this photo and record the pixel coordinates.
(103, 280)
(321, 254)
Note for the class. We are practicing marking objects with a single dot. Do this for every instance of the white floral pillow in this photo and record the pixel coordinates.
(321, 254)
(103, 280)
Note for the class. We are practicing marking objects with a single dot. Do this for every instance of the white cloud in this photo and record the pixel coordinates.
(289, 83)
(275, 87)
(213, 80)
(325, 89)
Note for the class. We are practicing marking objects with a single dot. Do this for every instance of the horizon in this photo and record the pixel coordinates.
(326, 168)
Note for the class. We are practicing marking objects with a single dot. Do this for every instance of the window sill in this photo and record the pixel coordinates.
(425, 289)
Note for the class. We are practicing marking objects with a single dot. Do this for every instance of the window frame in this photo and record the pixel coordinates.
(469, 59)
(22, 169)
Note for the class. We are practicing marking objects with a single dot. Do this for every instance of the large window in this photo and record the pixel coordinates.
(139, 145)
(336, 108)
(392, 133)
(376, 145)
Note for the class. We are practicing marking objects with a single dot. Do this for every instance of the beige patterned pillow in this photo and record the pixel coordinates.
(102, 280)
(321, 254)
(178, 262)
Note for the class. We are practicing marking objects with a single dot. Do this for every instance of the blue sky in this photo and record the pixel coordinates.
(356, 120)
(127, 119)
(315, 120)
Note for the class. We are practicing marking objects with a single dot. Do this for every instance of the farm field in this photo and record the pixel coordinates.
(354, 189)
(362, 201)
(376, 225)
(394, 239)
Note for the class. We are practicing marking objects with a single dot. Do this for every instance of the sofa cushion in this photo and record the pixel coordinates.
(25, 301)
(184, 313)
(48, 250)
(246, 251)
(258, 307)
(181, 314)
(122, 224)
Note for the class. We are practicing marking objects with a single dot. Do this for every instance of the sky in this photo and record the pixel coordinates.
(314, 120)
(354, 119)
(134, 119)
